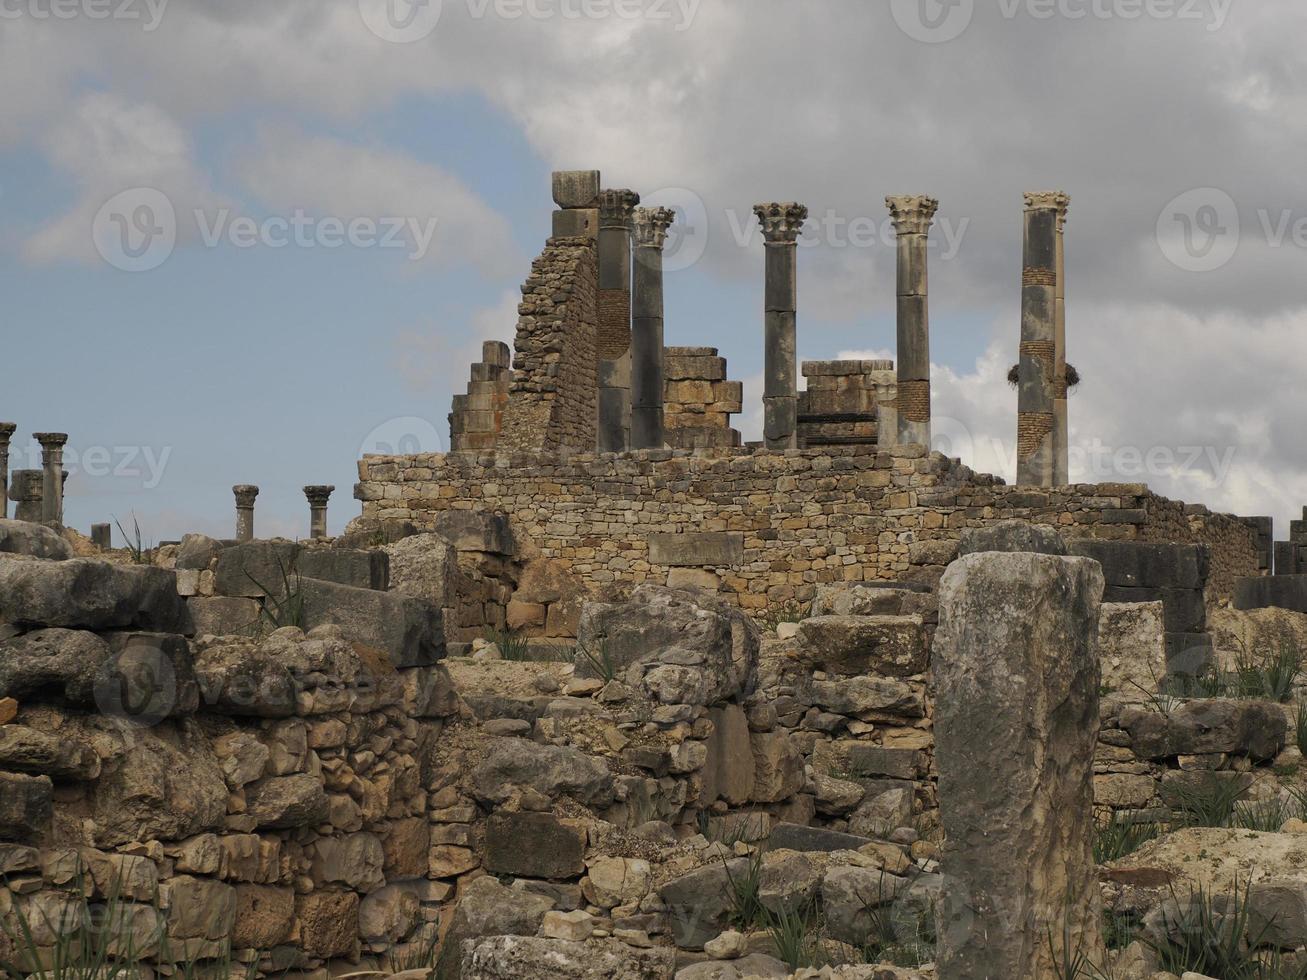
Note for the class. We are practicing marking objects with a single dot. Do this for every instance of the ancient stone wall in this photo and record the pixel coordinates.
(476, 417)
(698, 401)
(552, 402)
(768, 527)
(842, 403)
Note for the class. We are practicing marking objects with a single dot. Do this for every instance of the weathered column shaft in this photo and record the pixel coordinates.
(614, 301)
(1035, 410)
(7, 430)
(1016, 723)
(1061, 431)
(52, 481)
(102, 536)
(651, 226)
(26, 493)
(912, 217)
(781, 223)
(245, 494)
(318, 497)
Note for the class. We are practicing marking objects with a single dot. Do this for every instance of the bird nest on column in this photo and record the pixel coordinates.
(1072, 376)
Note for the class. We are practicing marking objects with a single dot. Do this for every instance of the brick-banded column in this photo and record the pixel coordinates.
(912, 216)
(1061, 432)
(781, 223)
(245, 494)
(7, 430)
(318, 497)
(1035, 409)
(52, 478)
(651, 226)
(614, 339)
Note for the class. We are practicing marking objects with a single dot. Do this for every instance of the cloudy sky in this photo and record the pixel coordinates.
(244, 241)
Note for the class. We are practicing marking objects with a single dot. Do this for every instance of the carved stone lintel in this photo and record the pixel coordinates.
(781, 221)
(912, 214)
(1048, 201)
(651, 226)
(616, 207)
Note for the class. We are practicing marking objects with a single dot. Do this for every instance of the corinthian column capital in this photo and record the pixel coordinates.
(781, 221)
(912, 214)
(651, 226)
(1058, 201)
(615, 208)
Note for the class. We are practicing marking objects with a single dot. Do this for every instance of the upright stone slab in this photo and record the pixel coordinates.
(26, 495)
(1016, 722)
(781, 223)
(912, 216)
(651, 226)
(1035, 402)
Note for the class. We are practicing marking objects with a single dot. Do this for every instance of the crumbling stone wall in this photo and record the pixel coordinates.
(478, 415)
(843, 402)
(553, 400)
(698, 400)
(767, 528)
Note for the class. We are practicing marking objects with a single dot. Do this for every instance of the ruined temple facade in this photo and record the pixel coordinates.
(615, 455)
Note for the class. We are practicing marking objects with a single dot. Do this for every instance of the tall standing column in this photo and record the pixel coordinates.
(651, 226)
(7, 430)
(614, 339)
(318, 497)
(52, 479)
(245, 494)
(912, 216)
(1061, 431)
(781, 223)
(1035, 410)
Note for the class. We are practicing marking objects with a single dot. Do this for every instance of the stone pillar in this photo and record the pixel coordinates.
(25, 491)
(1061, 434)
(318, 497)
(781, 223)
(102, 536)
(6, 433)
(1016, 722)
(52, 480)
(1035, 413)
(912, 216)
(614, 340)
(245, 494)
(576, 192)
(651, 226)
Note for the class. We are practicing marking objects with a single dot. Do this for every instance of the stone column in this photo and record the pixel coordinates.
(245, 494)
(1035, 414)
(7, 430)
(576, 192)
(614, 338)
(318, 497)
(1016, 722)
(651, 226)
(52, 480)
(912, 216)
(781, 223)
(1061, 434)
(25, 491)
(102, 536)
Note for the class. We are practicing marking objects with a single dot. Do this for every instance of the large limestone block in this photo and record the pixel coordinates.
(1012, 536)
(867, 599)
(222, 615)
(410, 631)
(27, 750)
(53, 662)
(424, 566)
(851, 646)
(34, 540)
(512, 765)
(328, 923)
(264, 916)
(283, 802)
(83, 593)
(26, 807)
(261, 568)
(699, 903)
(728, 772)
(515, 957)
(533, 845)
(1132, 648)
(1256, 729)
(777, 767)
(199, 908)
(354, 860)
(1016, 724)
(677, 647)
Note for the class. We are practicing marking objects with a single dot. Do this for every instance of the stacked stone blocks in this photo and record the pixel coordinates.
(843, 402)
(698, 400)
(478, 415)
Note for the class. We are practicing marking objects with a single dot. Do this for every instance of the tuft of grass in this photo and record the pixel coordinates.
(744, 894)
(601, 661)
(796, 934)
(1116, 837)
(1211, 935)
(1207, 802)
(287, 607)
(1267, 816)
(512, 645)
(139, 551)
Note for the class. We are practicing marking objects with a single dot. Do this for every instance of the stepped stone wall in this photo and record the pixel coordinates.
(765, 528)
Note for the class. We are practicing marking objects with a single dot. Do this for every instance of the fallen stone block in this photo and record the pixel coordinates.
(533, 845)
(1143, 564)
(225, 615)
(1247, 728)
(1272, 591)
(795, 837)
(409, 630)
(274, 568)
(34, 540)
(852, 646)
(84, 593)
